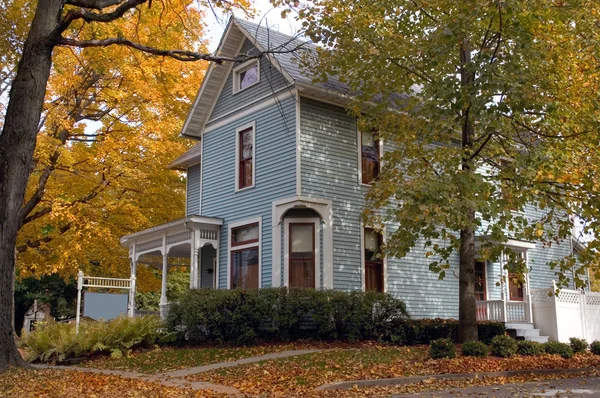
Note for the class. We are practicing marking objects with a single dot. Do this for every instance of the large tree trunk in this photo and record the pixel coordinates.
(467, 315)
(17, 143)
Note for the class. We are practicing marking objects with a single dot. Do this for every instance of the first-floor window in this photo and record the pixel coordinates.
(373, 241)
(244, 256)
(302, 255)
(480, 283)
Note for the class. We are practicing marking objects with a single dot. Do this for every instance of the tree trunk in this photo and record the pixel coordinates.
(17, 143)
(467, 316)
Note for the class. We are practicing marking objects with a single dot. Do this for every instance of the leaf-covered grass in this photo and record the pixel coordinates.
(166, 359)
(299, 375)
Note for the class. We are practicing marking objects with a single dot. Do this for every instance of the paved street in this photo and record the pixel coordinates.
(578, 387)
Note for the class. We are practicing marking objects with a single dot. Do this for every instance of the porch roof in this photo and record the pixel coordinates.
(173, 226)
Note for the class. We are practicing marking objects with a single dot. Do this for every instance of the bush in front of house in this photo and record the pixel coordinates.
(595, 347)
(578, 345)
(424, 331)
(279, 314)
(558, 348)
(503, 346)
(530, 348)
(56, 342)
(474, 349)
(442, 348)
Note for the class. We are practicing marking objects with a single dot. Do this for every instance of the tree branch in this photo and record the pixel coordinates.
(93, 4)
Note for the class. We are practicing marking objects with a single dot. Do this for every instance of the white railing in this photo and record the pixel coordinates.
(94, 281)
(500, 311)
(516, 311)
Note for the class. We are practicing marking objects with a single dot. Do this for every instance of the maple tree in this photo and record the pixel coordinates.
(489, 111)
(107, 165)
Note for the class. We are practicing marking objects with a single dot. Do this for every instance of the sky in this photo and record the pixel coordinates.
(266, 14)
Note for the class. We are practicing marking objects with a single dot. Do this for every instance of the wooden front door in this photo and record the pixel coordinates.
(515, 287)
(480, 282)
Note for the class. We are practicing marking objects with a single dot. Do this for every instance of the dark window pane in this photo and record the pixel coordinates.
(302, 255)
(244, 269)
(373, 260)
(249, 77)
(245, 234)
(369, 157)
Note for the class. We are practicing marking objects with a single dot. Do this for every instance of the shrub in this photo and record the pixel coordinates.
(247, 316)
(424, 331)
(503, 346)
(442, 348)
(474, 349)
(595, 347)
(558, 348)
(578, 345)
(530, 348)
(55, 342)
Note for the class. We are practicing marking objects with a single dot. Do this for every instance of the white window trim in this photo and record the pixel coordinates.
(286, 248)
(362, 257)
(359, 145)
(231, 248)
(244, 67)
(251, 125)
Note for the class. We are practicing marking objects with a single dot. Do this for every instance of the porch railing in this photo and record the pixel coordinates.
(503, 311)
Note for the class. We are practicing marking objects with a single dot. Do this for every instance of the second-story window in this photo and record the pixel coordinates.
(370, 157)
(245, 157)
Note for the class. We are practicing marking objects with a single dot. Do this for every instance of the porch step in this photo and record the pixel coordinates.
(525, 331)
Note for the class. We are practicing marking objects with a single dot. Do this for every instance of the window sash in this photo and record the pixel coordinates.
(248, 241)
(246, 160)
(480, 281)
(302, 264)
(248, 77)
(374, 273)
(244, 268)
(370, 158)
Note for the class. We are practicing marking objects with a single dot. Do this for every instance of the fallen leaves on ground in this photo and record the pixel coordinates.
(166, 359)
(62, 383)
(298, 376)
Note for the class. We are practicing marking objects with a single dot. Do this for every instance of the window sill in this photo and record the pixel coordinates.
(244, 189)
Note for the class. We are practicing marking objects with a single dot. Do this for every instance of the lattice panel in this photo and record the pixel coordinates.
(568, 297)
(153, 244)
(541, 296)
(592, 300)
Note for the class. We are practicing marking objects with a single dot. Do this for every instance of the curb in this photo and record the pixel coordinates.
(399, 381)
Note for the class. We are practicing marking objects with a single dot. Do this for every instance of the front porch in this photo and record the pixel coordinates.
(191, 242)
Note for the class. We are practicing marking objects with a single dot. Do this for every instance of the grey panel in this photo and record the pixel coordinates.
(104, 305)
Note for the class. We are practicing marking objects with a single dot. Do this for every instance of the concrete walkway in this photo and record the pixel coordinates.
(176, 378)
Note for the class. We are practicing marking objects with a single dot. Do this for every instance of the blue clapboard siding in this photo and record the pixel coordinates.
(271, 80)
(193, 190)
(275, 178)
(329, 163)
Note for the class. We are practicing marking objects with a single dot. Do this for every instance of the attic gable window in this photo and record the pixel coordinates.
(246, 75)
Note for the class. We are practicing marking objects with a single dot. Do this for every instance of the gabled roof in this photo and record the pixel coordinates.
(189, 158)
(281, 57)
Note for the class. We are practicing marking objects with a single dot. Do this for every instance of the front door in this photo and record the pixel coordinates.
(480, 282)
(515, 287)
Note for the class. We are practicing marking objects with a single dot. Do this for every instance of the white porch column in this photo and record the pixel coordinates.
(528, 287)
(165, 271)
(131, 305)
(194, 260)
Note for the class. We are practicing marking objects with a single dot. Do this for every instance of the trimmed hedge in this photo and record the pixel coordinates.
(442, 348)
(503, 346)
(474, 349)
(248, 316)
(558, 348)
(578, 345)
(595, 347)
(270, 314)
(530, 348)
(424, 331)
